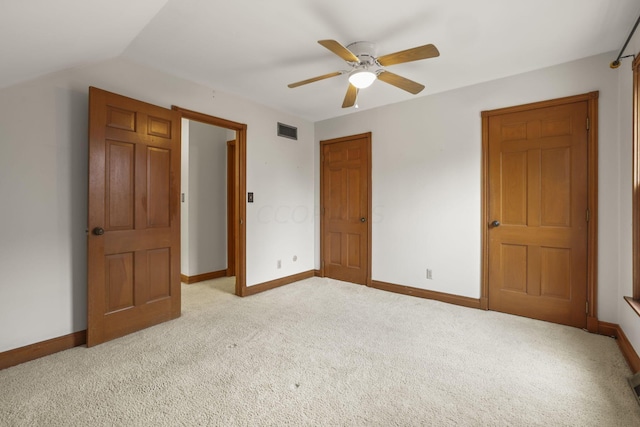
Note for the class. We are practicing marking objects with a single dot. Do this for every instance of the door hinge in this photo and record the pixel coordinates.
(588, 215)
(588, 124)
(586, 307)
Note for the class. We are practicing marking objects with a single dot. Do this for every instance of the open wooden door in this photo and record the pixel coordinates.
(134, 216)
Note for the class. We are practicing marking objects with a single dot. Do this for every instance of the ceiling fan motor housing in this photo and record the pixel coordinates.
(365, 51)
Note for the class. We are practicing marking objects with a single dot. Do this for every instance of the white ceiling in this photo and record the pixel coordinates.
(254, 48)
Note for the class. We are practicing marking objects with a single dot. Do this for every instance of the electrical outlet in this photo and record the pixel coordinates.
(429, 274)
(279, 263)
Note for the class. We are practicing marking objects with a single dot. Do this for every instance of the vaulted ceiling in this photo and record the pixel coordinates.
(254, 48)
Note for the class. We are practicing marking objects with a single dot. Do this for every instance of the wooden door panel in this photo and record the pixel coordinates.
(120, 118)
(334, 246)
(336, 188)
(159, 267)
(533, 272)
(119, 282)
(119, 186)
(158, 126)
(134, 169)
(515, 131)
(532, 188)
(555, 272)
(354, 189)
(514, 180)
(158, 187)
(538, 192)
(514, 267)
(556, 126)
(354, 153)
(333, 154)
(555, 187)
(346, 206)
(354, 251)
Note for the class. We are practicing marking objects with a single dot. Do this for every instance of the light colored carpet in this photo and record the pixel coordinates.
(323, 352)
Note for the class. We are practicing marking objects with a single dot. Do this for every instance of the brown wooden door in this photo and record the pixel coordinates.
(134, 216)
(346, 178)
(538, 192)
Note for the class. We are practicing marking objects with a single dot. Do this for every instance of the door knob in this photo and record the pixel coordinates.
(363, 219)
(495, 223)
(98, 231)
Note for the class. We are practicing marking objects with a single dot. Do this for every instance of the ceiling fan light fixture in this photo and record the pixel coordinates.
(362, 78)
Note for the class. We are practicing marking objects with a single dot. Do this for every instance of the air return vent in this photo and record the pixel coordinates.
(287, 131)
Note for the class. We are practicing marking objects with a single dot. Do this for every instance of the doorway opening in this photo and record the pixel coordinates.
(207, 229)
(213, 235)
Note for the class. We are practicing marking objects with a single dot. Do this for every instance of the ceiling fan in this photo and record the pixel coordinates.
(366, 67)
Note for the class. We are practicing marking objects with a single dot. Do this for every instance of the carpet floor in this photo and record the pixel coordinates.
(322, 352)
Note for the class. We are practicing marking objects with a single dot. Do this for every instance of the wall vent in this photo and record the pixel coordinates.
(287, 131)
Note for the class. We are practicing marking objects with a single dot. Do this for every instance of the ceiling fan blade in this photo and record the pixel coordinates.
(401, 82)
(350, 97)
(415, 54)
(314, 79)
(339, 50)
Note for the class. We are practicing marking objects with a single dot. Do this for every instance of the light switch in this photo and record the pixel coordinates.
(250, 198)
